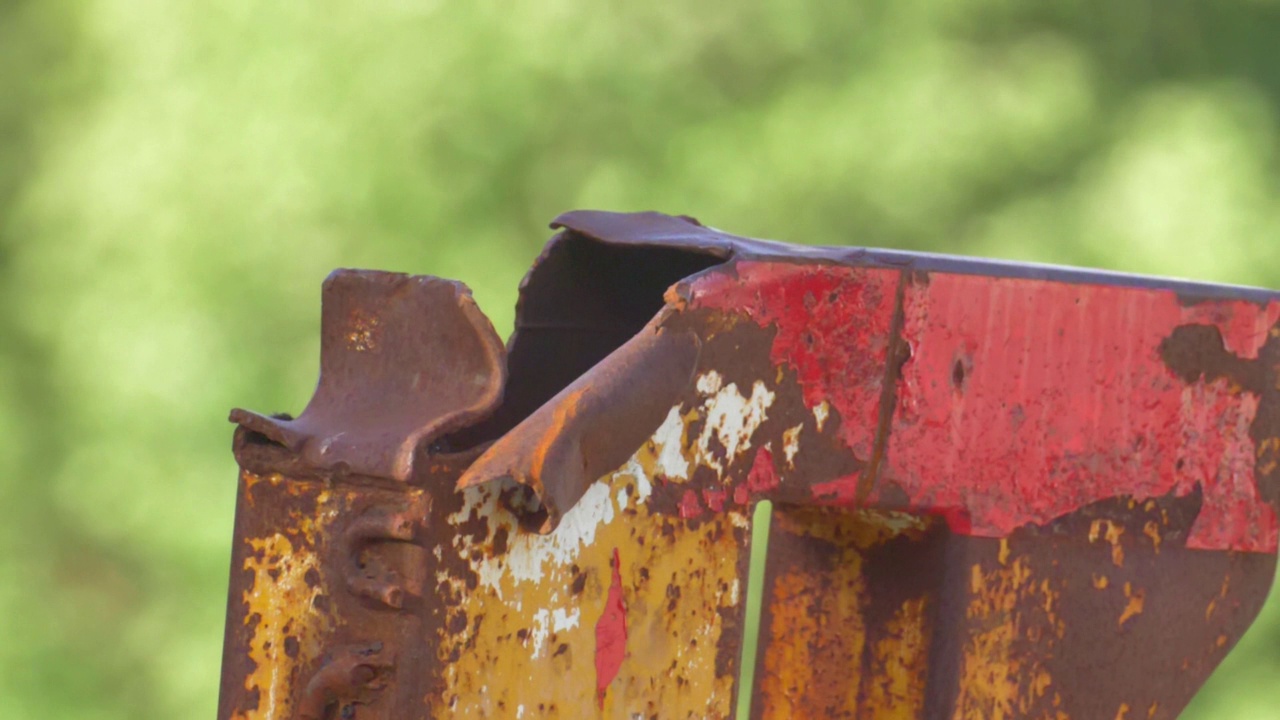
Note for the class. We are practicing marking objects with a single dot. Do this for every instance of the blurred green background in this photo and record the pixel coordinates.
(176, 179)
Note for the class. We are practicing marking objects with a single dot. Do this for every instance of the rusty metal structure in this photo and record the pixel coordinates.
(998, 490)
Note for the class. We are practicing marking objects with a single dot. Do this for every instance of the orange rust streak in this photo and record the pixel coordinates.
(1152, 530)
(793, 684)
(896, 690)
(817, 663)
(997, 683)
(1136, 600)
(1111, 532)
(564, 411)
(281, 601)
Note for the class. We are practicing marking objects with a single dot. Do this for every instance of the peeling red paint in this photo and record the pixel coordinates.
(714, 499)
(689, 505)
(762, 476)
(611, 633)
(406, 577)
(1022, 400)
(833, 328)
(841, 491)
(1025, 400)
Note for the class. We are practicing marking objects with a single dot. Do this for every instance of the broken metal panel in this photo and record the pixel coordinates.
(1000, 490)
(592, 426)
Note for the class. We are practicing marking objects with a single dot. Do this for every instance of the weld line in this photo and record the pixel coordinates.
(896, 356)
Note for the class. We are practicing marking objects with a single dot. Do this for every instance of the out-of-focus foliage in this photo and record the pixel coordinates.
(176, 178)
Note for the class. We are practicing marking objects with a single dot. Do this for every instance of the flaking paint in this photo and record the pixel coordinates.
(580, 565)
(280, 607)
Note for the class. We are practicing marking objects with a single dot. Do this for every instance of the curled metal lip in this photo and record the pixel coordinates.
(594, 424)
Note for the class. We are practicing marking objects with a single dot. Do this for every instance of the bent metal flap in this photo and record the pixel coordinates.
(998, 490)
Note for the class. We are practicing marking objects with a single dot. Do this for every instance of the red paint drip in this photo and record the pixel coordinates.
(689, 505)
(740, 495)
(611, 634)
(762, 478)
(714, 499)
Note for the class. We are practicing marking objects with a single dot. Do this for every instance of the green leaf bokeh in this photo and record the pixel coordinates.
(176, 179)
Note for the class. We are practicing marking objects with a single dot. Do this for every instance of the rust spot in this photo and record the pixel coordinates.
(1152, 530)
(1136, 600)
(1111, 532)
(363, 336)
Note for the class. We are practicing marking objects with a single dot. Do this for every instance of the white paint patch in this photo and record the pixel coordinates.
(731, 418)
(709, 384)
(562, 619)
(636, 472)
(546, 622)
(529, 551)
(791, 444)
(668, 444)
(820, 412)
(490, 575)
(539, 632)
(530, 556)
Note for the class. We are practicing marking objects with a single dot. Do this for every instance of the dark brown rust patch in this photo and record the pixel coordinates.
(1198, 353)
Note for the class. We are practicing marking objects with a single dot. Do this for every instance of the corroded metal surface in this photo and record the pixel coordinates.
(1000, 491)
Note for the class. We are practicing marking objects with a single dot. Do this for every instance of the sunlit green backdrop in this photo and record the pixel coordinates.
(176, 179)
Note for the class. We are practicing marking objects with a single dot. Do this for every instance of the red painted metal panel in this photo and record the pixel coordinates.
(1002, 490)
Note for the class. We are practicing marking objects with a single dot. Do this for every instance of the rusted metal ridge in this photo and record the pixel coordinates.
(1000, 491)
